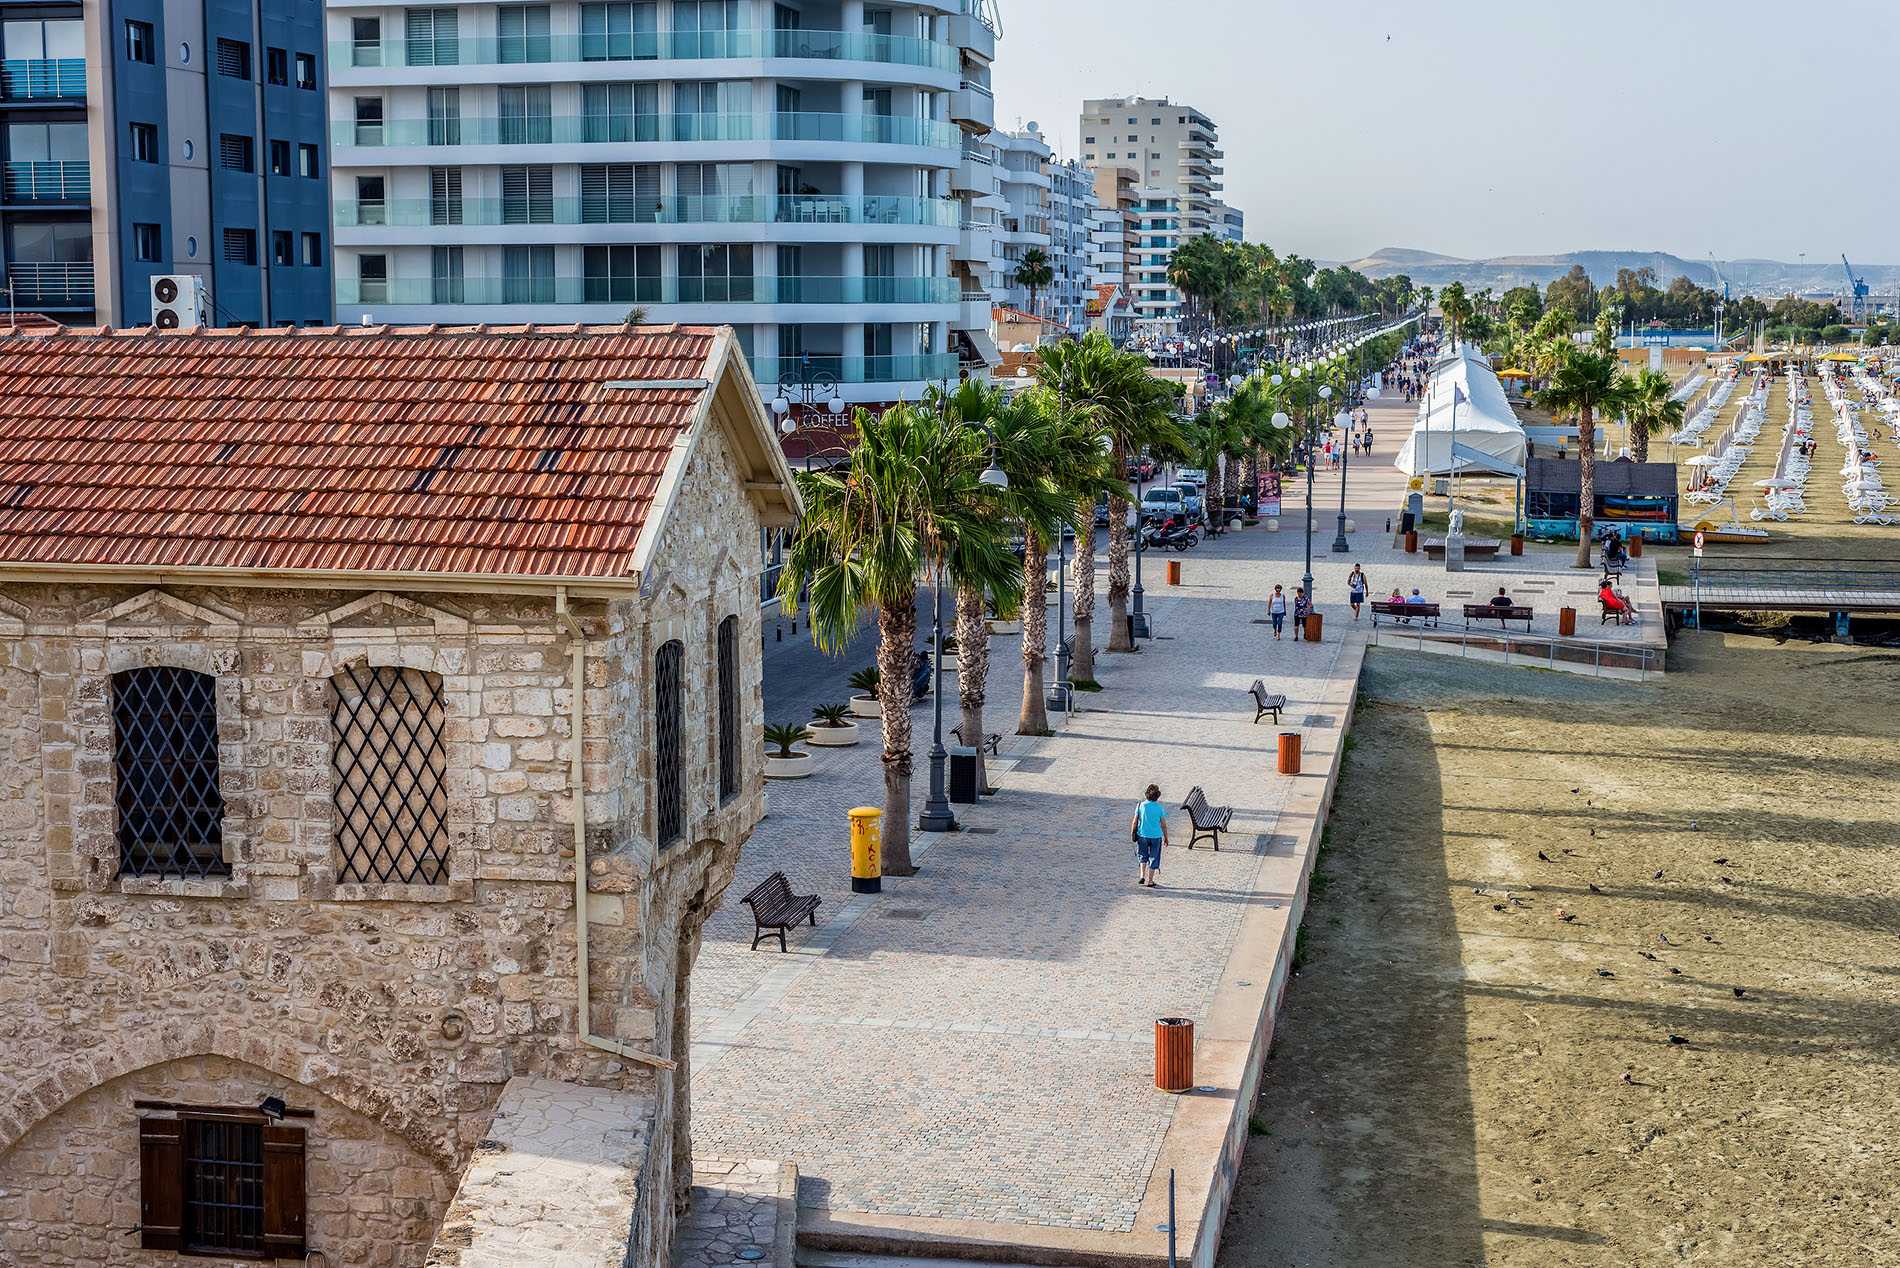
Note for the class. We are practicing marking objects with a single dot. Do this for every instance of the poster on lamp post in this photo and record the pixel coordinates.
(1268, 497)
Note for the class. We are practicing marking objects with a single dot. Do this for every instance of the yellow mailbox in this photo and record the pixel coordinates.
(867, 864)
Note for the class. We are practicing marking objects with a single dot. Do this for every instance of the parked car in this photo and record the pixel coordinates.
(1159, 504)
(1190, 496)
(1142, 468)
(1194, 475)
(1101, 511)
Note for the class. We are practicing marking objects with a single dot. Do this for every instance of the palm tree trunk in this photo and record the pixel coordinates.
(1250, 474)
(896, 632)
(1586, 485)
(973, 671)
(1034, 718)
(1639, 440)
(1118, 640)
(1082, 613)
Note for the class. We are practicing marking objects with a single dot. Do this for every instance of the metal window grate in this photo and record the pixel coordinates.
(391, 776)
(224, 1187)
(667, 707)
(728, 708)
(165, 763)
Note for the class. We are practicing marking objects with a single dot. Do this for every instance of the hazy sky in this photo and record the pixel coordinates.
(1502, 127)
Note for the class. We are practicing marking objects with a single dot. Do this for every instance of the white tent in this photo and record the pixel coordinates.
(1488, 439)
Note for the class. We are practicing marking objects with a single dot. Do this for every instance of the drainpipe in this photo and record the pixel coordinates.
(577, 788)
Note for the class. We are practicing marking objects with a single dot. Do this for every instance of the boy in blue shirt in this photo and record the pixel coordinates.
(1150, 830)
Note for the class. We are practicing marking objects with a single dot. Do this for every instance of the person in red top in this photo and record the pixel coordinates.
(1615, 603)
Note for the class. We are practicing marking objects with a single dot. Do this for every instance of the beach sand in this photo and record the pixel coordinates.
(1447, 1085)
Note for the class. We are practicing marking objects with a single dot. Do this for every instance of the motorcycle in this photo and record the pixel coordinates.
(1166, 536)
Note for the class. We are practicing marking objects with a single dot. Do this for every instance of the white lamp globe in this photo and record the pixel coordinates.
(781, 406)
(1326, 392)
(835, 405)
(1281, 420)
(1372, 394)
(786, 426)
(1275, 379)
(1341, 421)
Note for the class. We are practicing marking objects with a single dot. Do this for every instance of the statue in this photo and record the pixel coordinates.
(1457, 524)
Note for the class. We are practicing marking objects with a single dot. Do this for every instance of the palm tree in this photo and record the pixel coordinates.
(1585, 385)
(1035, 273)
(1651, 412)
(909, 503)
(1129, 408)
(1456, 307)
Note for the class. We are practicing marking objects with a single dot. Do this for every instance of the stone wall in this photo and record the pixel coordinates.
(402, 1007)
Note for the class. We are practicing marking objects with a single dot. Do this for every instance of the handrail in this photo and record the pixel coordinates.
(1637, 658)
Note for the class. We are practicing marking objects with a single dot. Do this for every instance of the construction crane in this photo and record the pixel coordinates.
(1857, 287)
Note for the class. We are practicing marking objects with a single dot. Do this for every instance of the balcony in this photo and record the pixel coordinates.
(741, 289)
(913, 368)
(866, 129)
(974, 174)
(973, 108)
(967, 31)
(975, 243)
(812, 209)
(41, 78)
(37, 285)
(649, 46)
(973, 310)
(56, 181)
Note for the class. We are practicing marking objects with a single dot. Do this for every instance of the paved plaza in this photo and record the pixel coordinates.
(975, 1044)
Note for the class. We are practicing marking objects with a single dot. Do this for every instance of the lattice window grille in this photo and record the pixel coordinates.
(224, 1187)
(391, 776)
(728, 708)
(165, 763)
(668, 705)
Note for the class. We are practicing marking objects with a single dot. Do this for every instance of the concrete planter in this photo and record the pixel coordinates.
(824, 735)
(1273, 525)
(797, 766)
(1006, 627)
(866, 707)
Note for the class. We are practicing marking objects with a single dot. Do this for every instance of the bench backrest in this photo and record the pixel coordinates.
(1196, 801)
(1260, 694)
(1512, 613)
(774, 888)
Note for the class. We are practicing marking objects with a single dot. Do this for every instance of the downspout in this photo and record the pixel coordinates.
(577, 789)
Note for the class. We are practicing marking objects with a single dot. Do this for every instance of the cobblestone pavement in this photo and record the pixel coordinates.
(735, 1220)
(976, 1041)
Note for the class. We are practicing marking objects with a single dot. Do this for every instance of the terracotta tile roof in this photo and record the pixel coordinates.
(469, 450)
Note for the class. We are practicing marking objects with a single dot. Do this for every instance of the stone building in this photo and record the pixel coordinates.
(336, 668)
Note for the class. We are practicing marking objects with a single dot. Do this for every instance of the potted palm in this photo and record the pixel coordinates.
(833, 728)
(786, 764)
(865, 682)
(1001, 622)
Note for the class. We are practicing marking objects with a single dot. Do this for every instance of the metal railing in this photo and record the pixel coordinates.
(743, 288)
(940, 213)
(56, 180)
(1877, 575)
(33, 78)
(582, 129)
(646, 46)
(64, 285)
(1530, 649)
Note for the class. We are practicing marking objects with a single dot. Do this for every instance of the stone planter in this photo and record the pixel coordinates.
(797, 766)
(824, 735)
(866, 707)
(1005, 627)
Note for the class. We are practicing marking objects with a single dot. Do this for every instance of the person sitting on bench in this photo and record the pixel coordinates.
(1501, 599)
(1615, 602)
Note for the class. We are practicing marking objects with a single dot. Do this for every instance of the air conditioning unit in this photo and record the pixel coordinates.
(178, 299)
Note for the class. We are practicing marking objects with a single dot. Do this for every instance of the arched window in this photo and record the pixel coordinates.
(728, 708)
(392, 795)
(669, 704)
(165, 769)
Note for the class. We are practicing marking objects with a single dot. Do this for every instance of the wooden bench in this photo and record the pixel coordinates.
(1209, 821)
(1475, 547)
(1614, 616)
(1263, 703)
(1427, 612)
(990, 742)
(1491, 611)
(776, 909)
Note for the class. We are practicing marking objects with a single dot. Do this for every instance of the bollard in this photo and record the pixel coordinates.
(867, 863)
(1174, 572)
(1289, 752)
(1174, 1053)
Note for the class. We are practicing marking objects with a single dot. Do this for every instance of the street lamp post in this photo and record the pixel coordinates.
(1325, 394)
(937, 815)
(801, 392)
(1138, 618)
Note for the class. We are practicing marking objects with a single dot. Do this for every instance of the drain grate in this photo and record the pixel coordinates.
(1033, 765)
(904, 913)
(1317, 719)
(981, 832)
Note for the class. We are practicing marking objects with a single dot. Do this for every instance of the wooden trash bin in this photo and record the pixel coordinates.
(1411, 543)
(1174, 1053)
(1517, 543)
(1567, 622)
(1289, 752)
(1174, 572)
(1312, 627)
(1636, 545)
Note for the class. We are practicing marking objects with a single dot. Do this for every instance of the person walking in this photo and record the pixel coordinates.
(1150, 833)
(1356, 589)
(1276, 608)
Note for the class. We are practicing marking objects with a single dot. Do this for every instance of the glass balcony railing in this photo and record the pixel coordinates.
(66, 285)
(863, 129)
(31, 78)
(57, 180)
(645, 46)
(588, 210)
(742, 289)
(919, 367)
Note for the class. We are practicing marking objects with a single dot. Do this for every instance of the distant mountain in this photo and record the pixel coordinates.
(1766, 278)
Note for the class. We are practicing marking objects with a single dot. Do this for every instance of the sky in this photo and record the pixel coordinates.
(1479, 128)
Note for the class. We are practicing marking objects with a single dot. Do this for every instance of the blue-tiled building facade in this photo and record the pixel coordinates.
(146, 138)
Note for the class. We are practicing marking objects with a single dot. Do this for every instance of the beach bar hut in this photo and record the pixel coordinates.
(1638, 499)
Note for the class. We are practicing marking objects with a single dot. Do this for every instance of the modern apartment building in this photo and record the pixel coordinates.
(1072, 212)
(1112, 244)
(1230, 223)
(1160, 227)
(787, 169)
(146, 139)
